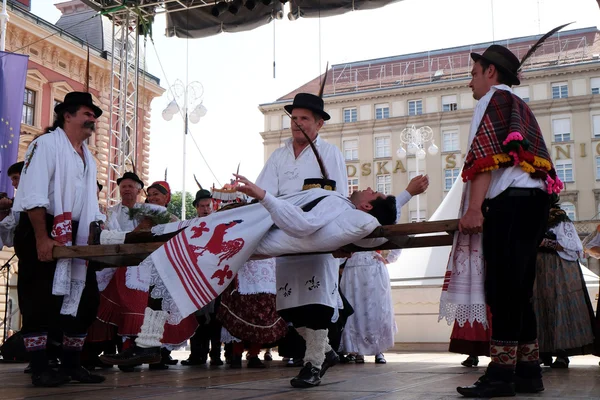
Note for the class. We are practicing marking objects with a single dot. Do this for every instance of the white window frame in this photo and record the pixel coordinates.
(454, 140)
(560, 90)
(597, 159)
(595, 85)
(382, 146)
(286, 122)
(450, 176)
(353, 185)
(384, 109)
(350, 147)
(383, 183)
(413, 215)
(570, 209)
(417, 106)
(449, 103)
(560, 133)
(351, 113)
(564, 168)
(29, 108)
(522, 92)
(596, 126)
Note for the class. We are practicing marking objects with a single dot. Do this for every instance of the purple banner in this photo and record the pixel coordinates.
(13, 73)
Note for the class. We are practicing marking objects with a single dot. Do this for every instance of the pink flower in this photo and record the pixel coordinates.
(512, 136)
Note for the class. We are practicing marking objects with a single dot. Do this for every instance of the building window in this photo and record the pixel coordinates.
(352, 185)
(564, 170)
(413, 216)
(450, 176)
(382, 111)
(597, 167)
(383, 147)
(350, 114)
(595, 84)
(560, 90)
(350, 150)
(449, 103)
(561, 129)
(569, 209)
(522, 92)
(415, 107)
(285, 122)
(28, 107)
(384, 184)
(450, 141)
(596, 126)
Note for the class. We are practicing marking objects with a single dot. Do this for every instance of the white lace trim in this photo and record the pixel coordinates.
(71, 301)
(227, 337)
(462, 313)
(104, 277)
(160, 291)
(137, 278)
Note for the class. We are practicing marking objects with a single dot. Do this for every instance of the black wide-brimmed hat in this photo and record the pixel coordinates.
(132, 176)
(310, 102)
(78, 99)
(201, 195)
(503, 59)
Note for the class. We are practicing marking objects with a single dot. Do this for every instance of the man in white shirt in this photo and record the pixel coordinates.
(57, 200)
(509, 174)
(307, 286)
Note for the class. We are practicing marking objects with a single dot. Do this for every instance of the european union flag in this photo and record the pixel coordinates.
(13, 73)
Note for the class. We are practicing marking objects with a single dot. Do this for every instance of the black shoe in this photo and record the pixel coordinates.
(346, 359)
(560, 363)
(216, 362)
(193, 361)
(82, 375)
(485, 387)
(133, 356)
(471, 361)
(236, 362)
(308, 377)
(161, 366)
(166, 357)
(528, 385)
(546, 360)
(49, 378)
(254, 362)
(128, 368)
(331, 359)
(268, 357)
(298, 362)
(380, 359)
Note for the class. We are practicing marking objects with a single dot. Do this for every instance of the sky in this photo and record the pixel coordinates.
(236, 69)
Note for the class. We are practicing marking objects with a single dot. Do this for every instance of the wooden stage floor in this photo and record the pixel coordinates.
(405, 376)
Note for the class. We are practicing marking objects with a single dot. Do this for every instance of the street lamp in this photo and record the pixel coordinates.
(415, 140)
(190, 96)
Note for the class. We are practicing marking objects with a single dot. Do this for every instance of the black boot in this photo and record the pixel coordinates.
(133, 356)
(308, 377)
(82, 375)
(331, 359)
(471, 361)
(498, 381)
(49, 378)
(528, 377)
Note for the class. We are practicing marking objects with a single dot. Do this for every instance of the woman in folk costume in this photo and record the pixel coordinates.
(366, 284)
(560, 297)
(124, 292)
(248, 312)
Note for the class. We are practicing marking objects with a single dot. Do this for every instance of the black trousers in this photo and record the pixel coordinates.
(515, 222)
(39, 307)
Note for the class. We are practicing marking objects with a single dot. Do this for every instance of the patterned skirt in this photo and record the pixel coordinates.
(251, 318)
(562, 306)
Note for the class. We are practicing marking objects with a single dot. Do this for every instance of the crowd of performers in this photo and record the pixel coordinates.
(515, 257)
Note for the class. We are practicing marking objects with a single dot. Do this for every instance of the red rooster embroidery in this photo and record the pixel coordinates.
(222, 274)
(198, 230)
(218, 246)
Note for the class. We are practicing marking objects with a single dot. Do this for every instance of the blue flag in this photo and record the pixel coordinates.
(13, 73)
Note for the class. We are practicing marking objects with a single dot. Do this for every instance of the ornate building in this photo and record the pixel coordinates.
(57, 65)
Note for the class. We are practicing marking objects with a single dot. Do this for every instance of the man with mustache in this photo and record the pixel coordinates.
(57, 202)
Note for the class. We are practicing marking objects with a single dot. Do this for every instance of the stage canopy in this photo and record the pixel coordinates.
(202, 18)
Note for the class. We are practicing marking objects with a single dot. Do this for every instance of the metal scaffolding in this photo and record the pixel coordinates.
(123, 98)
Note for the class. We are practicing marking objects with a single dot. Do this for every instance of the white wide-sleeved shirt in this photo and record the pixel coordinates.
(313, 279)
(502, 178)
(36, 186)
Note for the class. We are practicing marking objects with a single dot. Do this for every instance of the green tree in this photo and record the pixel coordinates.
(174, 205)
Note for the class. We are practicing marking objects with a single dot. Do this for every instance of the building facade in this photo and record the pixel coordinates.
(371, 102)
(57, 65)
